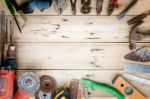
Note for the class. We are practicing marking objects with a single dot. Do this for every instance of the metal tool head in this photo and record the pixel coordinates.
(48, 84)
(140, 55)
(29, 82)
(73, 6)
(85, 9)
(112, 5)
(99, 6)
(42, 95)
(60, 6)
(134, 36)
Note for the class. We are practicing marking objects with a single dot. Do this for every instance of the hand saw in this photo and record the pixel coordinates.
(130, 68)
(136, 78)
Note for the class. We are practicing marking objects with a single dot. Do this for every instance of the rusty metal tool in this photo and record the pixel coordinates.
(112, 5)
(125, 11)
(134, 36)
(138, 18)
(73, 6)
(127, 89)
(73, 89)
(99, 6)
(140, 55)
(48, 84)
(85, 9)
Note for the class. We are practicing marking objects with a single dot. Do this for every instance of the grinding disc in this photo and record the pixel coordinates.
(29, 82)
(48, 84)
(42, 95)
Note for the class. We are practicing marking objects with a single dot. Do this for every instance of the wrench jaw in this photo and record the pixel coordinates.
(85, 9)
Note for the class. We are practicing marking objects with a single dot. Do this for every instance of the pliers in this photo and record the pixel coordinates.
(73, 6)
(112, 5)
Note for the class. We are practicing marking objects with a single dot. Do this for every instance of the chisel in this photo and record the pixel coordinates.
(12, 11)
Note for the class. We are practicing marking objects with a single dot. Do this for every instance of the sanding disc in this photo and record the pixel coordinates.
(29, 82)
(48, 84)
(42, 95)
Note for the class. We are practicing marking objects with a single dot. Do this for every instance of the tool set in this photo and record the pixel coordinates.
(45, 87)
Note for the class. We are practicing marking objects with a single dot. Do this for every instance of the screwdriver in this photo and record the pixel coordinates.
(11, 9)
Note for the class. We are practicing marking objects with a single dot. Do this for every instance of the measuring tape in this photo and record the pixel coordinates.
(29, 82)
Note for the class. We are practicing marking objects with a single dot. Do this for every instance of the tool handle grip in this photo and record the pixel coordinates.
(96, 85)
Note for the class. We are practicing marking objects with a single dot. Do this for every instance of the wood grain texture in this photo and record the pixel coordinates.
(72, 55)
(64, 77)
(81, 46)
(137, 9)
(78, 29)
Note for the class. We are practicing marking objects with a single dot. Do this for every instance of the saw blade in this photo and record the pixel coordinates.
(136, 78)
(29, 82)
(130, 68)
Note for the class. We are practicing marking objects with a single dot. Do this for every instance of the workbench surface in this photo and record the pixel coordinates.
(82, 46)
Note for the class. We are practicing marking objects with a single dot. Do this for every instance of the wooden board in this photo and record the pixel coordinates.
(137, 9)
(72, 55)
(78, 29)
(68, 47)
(64, 77)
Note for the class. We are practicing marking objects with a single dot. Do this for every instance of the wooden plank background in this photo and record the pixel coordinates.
(81, 46)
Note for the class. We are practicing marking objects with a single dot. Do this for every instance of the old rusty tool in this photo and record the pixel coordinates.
(138, 18)
(73, 6)
(125, 11)
(140, 55)
(112, 5)
(48, 84)
(85, 9)
(73, 89)
(134, 36)
(99, 6)
(60, 6)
